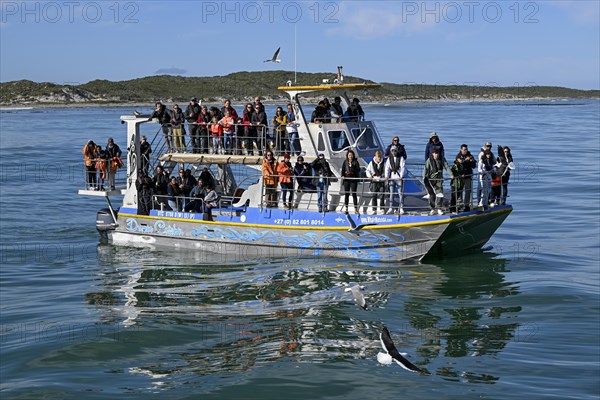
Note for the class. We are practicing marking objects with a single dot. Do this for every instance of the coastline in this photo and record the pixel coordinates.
(44, 105)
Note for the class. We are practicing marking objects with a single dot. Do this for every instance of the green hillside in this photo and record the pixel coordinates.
(241, 86)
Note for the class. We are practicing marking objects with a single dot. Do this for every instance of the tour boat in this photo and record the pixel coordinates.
(242, 224)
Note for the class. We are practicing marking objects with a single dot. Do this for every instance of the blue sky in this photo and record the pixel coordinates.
(434, 42)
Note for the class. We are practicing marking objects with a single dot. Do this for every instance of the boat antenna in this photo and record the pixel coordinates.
(295, 67)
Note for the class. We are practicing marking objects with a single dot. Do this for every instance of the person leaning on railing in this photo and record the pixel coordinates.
(164, 118)
(113, 155)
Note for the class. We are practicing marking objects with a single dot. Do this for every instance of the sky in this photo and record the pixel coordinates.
(498, 43)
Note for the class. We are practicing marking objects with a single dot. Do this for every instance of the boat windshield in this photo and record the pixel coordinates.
(365, 138)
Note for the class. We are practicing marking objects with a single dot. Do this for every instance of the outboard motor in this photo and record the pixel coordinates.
(105, 222)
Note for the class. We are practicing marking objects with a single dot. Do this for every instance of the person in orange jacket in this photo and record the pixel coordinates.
(286, 171)
(269, 171)
(90, 167)
(216, 131)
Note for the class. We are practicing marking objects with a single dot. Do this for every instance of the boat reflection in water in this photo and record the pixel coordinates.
(205, 319)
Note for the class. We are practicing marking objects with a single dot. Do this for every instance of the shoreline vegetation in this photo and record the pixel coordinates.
(241, 87)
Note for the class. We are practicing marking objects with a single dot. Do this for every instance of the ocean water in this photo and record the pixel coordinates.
(519, 319)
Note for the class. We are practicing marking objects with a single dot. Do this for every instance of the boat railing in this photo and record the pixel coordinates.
(240, 139)
(304, 195)
(106, 175)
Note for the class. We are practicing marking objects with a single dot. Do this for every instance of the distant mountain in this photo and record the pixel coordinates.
(242, 86)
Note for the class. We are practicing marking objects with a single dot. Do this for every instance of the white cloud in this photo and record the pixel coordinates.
(377, 20)
(585, 12)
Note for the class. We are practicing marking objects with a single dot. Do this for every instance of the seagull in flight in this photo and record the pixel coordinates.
(275, 59)
(353, 227)
(358, 296)
(392, 354)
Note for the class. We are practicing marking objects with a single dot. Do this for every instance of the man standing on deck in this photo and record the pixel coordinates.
(191, 115)
(394, 172)
(468, 163)
(164, 118)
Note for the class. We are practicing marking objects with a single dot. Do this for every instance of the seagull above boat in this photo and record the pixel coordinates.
(353, 227)
(359, 298)
(275, 59)
(392, 354)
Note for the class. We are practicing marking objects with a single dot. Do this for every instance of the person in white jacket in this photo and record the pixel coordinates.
(376, 174)
(394, 173)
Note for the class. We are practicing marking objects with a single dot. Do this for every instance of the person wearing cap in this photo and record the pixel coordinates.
(322, 171)
(394, 173)
(486, 169)
(269, 172)
(433, 143)
(487, 146)
(465, 188)
(401, 149)
(433, 178)
(113, 155)
(192, 112)
(90, 166)
(164, 118)
(145, 151)
(320, 114)
(285, 170)
(303, 174)
(376, 173)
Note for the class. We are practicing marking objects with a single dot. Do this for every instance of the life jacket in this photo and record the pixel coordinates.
(228, 124)
(216, 130)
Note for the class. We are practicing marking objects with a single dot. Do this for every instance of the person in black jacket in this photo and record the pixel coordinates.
(259, 120)
(191, 115)
(323, 174)
(433, 143)
(159, 184)
(350, 175)
(164, 118)
(145, 150)
(401, 149)
(466, 159)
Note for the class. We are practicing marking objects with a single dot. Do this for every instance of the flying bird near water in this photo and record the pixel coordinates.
(358, 296)
(275, 59)
(392, 353)
(353, 227)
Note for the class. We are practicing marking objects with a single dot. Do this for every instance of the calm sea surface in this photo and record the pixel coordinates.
(520, 319)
